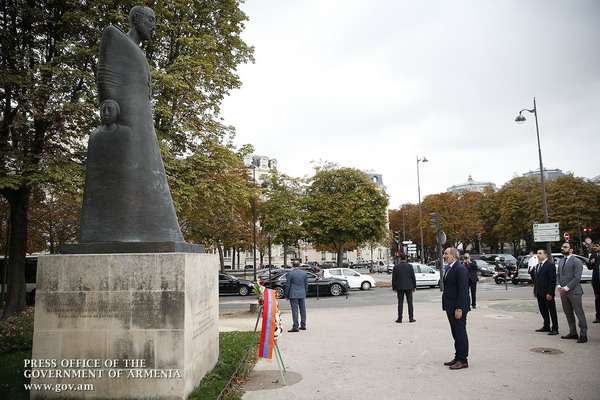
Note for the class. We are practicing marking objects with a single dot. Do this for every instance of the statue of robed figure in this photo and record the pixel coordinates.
(127, 204)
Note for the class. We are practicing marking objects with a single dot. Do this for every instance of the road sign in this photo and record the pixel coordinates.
(566, 236)
(548, 232)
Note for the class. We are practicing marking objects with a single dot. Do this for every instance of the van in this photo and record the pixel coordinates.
(30, 276)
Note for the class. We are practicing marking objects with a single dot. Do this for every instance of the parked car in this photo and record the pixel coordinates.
(523, 274)
(310, 268)
(264, 274)
(231, 284)
(426, 275)
(334, 287)
(353, 278)
(485, 268)
(362, 264)
(328, 264)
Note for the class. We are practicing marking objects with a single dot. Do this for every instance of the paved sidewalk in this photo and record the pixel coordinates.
(362, 353)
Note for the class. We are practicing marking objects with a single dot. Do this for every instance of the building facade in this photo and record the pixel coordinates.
(471, 185)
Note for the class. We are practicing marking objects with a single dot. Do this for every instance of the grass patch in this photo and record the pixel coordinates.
(11, 375)
(232, 348)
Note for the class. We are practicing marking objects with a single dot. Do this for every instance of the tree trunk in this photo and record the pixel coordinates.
(340, 255)
(285, 254)
(221, 258)
(17, 250)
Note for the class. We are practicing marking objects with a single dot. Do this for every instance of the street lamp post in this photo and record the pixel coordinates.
(253, 225)
(424, 159)
(520, 119)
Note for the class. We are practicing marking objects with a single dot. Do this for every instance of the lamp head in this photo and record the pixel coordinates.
(520, 119)
(424, 159)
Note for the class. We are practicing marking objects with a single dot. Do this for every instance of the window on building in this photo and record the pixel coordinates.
(345, 255)
(323, 256)
(334, 256)
(380, 254)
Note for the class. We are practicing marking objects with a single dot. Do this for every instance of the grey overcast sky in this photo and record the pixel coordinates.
(372, 84)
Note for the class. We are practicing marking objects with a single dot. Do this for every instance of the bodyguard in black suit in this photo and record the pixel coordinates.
(404, 283)
(471, 266)
(455, 301)
(594, 265)
(544, 286)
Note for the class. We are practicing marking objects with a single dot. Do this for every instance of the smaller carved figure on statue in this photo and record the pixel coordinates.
(112, 159)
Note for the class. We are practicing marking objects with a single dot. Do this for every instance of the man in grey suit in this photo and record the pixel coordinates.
(404, 283)
(569, 287)
(296, 288)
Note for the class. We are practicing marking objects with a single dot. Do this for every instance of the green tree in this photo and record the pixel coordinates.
(47, 91)
(281, 212)
(212, 191)
(343, 206)
(512, 224)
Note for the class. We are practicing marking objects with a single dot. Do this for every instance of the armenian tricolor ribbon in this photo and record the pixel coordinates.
(267, 341)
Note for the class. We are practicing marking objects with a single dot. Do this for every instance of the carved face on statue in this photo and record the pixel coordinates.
(109, 112)
(143, 21)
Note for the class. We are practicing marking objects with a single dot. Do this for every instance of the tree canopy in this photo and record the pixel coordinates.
(343, 207)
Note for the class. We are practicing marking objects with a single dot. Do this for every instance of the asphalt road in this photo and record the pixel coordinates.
(487, 291)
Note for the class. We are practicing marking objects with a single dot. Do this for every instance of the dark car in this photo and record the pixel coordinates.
(331, 286)
(310, 268)
(362, 264)
(231, 284)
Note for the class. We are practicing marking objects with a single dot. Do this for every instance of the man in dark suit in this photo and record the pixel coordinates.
(471, 266)
(455, 301)
(569, 287)
(404, 283)
(594, 265)
(296, 287)
(544, 285)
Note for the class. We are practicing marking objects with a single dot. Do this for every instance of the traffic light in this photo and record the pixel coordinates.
(397, 236)
(435, 221)
(587, 231)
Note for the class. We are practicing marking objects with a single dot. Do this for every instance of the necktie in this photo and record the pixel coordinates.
(537, 269)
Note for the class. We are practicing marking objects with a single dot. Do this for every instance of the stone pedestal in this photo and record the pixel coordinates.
(119, 326)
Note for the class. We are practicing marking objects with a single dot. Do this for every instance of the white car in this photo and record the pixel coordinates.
(426, 275)
(354, 279)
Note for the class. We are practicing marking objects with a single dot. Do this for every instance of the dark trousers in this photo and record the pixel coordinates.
(597, 300)
(473, 286)
(295, 304)
(548, 311)
(572, 305)
(409, 301)
(459, 333)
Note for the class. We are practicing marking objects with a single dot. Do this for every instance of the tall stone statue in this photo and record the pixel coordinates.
(127, 205)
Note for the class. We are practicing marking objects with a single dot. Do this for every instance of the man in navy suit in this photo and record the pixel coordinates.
(296, 287)
(455, 301)
(544, 285)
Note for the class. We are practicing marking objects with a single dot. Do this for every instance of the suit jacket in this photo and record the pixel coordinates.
(569, 274)
(544, 280)
(296, 285)
(594, 265)
(472, 271)
(456, 289)
(403, 277)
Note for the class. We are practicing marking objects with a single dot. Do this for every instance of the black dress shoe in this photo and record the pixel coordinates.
(570, 336)
(596, 321)
(582, 339)
(399, 321)
(449, 363)
(473, 306)
(302, 328)
(412, 320)
(543, 329)
(552, 333)
(293, 330)
(459, 365)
